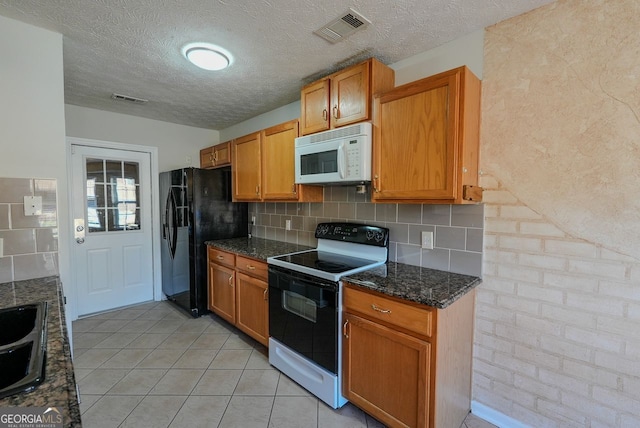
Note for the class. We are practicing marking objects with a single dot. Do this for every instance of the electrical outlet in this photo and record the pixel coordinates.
(287, 224)
(253, 219)
(427, 240)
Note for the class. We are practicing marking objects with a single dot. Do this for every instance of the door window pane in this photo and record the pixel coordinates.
(113, 195)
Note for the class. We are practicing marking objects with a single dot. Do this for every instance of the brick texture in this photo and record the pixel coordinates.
(557, 323)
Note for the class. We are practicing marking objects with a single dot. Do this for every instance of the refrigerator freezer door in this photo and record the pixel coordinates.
(203, 211)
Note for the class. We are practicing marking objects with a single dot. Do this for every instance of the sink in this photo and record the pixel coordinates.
(23, 345)
(17, 322)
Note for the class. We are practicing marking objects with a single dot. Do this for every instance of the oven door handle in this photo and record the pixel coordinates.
(303, 280)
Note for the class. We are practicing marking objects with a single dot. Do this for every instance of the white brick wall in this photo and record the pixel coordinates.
(557, 339)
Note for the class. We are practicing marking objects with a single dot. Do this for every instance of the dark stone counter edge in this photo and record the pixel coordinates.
(58, 389)
(257, 248)
(435, 303)
(260, 248)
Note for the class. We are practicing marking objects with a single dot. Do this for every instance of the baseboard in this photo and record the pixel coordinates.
(498, 419)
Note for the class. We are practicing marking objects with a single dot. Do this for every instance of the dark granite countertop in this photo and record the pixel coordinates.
(426, 286)
(59, 387)
(257, 248)
(430, 287)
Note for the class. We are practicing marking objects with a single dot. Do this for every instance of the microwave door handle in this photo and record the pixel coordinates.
(342, 160)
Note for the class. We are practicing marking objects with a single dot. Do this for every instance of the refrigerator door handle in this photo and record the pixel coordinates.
(172, 224)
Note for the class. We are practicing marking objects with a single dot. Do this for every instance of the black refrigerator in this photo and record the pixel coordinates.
(195, 207)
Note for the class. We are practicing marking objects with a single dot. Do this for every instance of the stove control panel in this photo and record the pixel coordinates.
(353, 232)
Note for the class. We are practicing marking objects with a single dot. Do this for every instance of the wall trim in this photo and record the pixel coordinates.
(495, 417)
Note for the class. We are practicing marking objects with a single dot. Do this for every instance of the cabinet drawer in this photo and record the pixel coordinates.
(375, 307)
(252, 267)
(222, 257)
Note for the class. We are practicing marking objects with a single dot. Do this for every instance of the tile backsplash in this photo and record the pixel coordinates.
(457, 229)
(28, 244)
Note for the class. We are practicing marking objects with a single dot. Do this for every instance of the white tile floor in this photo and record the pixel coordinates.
(153, 366)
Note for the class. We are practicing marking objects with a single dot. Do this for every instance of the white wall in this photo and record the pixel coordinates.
(175, 143)
(273, 117)
(467, 50)
(32, 131)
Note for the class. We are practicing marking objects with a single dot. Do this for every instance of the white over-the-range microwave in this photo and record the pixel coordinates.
(339, 156)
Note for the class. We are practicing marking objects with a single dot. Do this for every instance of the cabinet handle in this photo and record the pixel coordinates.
(266, 291)
(375, 184)
(215, 156)
(257, 190)
(335, 111)
(324, 114)
(251, 267)
(293, 188)
(231, 280)
(384, 311)
(220, 257)
(344, 329)
(210, 157)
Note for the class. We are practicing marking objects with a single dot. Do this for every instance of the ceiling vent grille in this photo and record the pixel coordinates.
(347, 24)
(129, 99)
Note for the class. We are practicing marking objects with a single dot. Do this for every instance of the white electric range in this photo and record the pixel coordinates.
(305, 304)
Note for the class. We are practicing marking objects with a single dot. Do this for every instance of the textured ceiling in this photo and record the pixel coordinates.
(133, 47)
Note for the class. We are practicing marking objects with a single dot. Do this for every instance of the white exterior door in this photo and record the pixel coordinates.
(112, 243)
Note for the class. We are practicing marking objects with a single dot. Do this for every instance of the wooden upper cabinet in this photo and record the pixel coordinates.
(426, 141)
(278, 166)
(314, 113)
(246, 168)
(344, 97)
(216, 156)
(350, 95)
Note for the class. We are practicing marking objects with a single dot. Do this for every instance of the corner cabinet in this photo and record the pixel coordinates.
(426, 141)
(344, 97)
(408, 365)
(264, 170)
(238, 292)
(216, 156)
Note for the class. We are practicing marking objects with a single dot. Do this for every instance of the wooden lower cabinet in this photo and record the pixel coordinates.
(222, 295)
(386, 372)
(407, 365)
(253, 307)
(239, 292)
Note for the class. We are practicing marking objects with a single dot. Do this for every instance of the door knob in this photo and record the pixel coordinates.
(80, 240)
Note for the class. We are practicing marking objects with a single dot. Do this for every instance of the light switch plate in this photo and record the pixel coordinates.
(427, 240)
(32, 205)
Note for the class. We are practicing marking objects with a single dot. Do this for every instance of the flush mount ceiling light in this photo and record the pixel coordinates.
(207, 56)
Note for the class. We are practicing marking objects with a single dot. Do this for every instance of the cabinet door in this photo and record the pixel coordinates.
(222, 154)
(314, 112)
(350, 96)
(415, 142)
(385, 372)
(253, 307)
(206, 158)
(246, 168)
(278, 162)
(222, 299)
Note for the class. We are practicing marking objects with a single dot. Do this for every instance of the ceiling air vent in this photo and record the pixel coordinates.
(129, 99)
(347, 24)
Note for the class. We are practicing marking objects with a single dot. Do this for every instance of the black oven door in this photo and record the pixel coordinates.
(303, 315)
